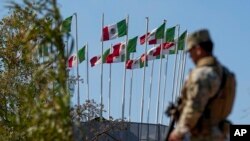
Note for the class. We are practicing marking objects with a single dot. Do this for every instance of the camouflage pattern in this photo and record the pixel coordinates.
(202, 84)
(198, 37)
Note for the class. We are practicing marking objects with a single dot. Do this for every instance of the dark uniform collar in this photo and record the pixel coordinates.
(207, 61)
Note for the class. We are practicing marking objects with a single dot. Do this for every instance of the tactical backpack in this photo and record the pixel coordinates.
(220, 106)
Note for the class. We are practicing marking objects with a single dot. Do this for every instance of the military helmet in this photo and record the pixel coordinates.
(197, 37)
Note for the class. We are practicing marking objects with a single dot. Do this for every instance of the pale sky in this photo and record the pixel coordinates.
(227, 20)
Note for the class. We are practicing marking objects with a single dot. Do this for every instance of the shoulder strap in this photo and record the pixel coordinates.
(222, 84)
(206, 113)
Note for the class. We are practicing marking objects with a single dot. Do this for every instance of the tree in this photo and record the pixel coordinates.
(34, 100)
(89, 126)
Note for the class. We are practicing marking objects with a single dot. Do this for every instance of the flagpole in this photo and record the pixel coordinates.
(131, 91)
(150, 93)
(150, 89)
(102, 69)
(144, 70)
(164, 90)
(181, 71)
(124, 76)
(77, 68)
(67, 54)
(159, 84)
(184, 64)
(178, 90)
(110, 65)
(87, 67)
(176, 53)
(178, 74)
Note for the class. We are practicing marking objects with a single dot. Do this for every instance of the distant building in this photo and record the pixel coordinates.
(118, 131)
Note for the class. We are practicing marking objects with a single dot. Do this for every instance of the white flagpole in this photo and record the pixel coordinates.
(110, 66)
(159, 84)
(102, 69)
(184, 69)
(150, 89)
(180, 73)
(164, 90)
(87, 68)
(125, 70)
(150, 93)
(174, 72)
(144, 70)
(184, 64)
(131, 91)
(177, 88)
(77, 68)
(67, 51)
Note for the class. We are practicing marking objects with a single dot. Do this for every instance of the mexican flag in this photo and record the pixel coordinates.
(169, 34)
(156, 51)
(72, 61)
(99, 59)
(95, 60)
(66, 24)
(119, 48)
(114, 31)
(181, 42)
(81, 54)
(118, 53)
(115, 59)
(134, 64)
(155, 36)
(150, 57)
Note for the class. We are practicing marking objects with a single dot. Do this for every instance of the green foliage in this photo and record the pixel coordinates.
(34, 101)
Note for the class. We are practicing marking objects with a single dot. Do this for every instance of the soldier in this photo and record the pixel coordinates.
(207, 96)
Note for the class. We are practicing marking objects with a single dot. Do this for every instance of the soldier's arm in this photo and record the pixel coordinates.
(203, 85)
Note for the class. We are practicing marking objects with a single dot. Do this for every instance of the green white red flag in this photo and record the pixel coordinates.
(134, 64)
(66, 24)
(72, 61)
(114, 31)
(155, 36)
(99, 59)
(82, 54)
(150, 57)
(156, 51)
(118, 53)
(170, 34)
(115, 59)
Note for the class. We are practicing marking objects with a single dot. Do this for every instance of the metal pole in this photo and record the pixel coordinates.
(174, 72)
(77, 68)
(178, 74)
(110, 66)
(124, 77)
(131, 91)
(87, 67)
(144, 71)
(159, 84)
(150, 93)
(67, 51)
(164, 90)
(102, 70)
(184, 64)
(150, 89)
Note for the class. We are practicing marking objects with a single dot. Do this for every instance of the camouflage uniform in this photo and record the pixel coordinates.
(202, 84)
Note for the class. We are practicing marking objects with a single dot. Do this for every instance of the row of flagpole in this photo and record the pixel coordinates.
(176, 84)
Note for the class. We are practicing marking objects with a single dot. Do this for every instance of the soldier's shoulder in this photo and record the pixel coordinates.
(203, 73)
